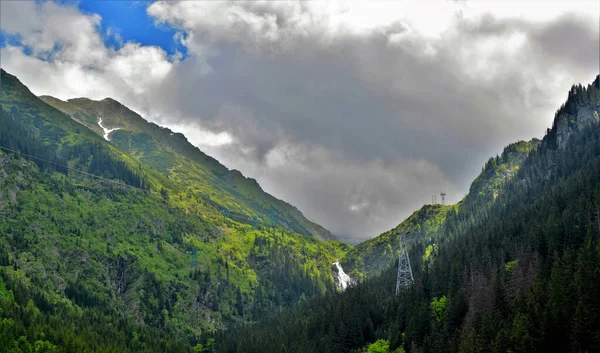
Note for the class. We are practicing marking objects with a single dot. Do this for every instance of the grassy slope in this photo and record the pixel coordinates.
(102, 245)
(174, 156)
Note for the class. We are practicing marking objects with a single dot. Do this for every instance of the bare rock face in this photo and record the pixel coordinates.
(562, 132)
(585, 117)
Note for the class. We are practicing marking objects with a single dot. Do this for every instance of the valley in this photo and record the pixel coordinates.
(119, 234)
(299, 176)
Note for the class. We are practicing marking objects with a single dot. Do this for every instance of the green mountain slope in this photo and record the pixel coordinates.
(425, 229)
(91, 234)
(170, 153)
(375, 255)
(517, 270)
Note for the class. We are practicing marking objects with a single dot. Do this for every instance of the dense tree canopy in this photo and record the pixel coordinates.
(515, 271)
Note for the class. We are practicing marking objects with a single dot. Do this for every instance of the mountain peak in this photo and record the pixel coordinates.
(47, 98)
(11, 81)
(580, 109)
(111, 101)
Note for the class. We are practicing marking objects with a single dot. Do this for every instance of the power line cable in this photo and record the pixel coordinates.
(72, 169)
(229, 214)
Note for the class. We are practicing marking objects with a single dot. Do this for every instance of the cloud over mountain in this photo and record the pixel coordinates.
(354, 112)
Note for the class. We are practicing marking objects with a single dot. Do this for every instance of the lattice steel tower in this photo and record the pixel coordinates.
(194, 262)
(405, 277)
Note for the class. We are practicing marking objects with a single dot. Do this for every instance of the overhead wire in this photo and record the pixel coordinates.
(72, 169)
(227, 213)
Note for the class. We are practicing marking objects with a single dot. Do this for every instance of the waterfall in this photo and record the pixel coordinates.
(341, 278)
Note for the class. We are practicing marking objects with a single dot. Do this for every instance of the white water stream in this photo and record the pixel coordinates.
(106, 131)
(341, 279)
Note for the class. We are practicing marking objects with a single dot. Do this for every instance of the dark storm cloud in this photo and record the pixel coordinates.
(371, 106)
(570, 41)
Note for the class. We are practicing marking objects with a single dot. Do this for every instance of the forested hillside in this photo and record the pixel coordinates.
(424, 229)
(101, 252)
(516, 269)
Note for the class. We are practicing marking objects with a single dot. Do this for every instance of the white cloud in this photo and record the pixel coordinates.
(55, 32)
(69, 58)
(200, 137)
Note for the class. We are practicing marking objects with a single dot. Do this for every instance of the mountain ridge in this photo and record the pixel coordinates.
(77, 241)
(157, 145)
(425, 225)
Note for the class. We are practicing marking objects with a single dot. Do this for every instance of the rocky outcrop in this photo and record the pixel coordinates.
(585, 117)
(562, 131)
(569, 124)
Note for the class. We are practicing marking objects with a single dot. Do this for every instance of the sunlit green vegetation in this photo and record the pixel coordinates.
(425, 227)
(115, 251)
(204, 179)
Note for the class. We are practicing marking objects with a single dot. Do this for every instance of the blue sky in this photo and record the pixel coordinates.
(127, 18)
(130, 20)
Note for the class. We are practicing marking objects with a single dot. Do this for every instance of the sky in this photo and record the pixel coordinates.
(355, 112)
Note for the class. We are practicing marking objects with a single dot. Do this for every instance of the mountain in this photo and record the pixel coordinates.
(369, 258)
(108, 246)
(172, 154)
(101, 250)
(425, 229)
(514, 269)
